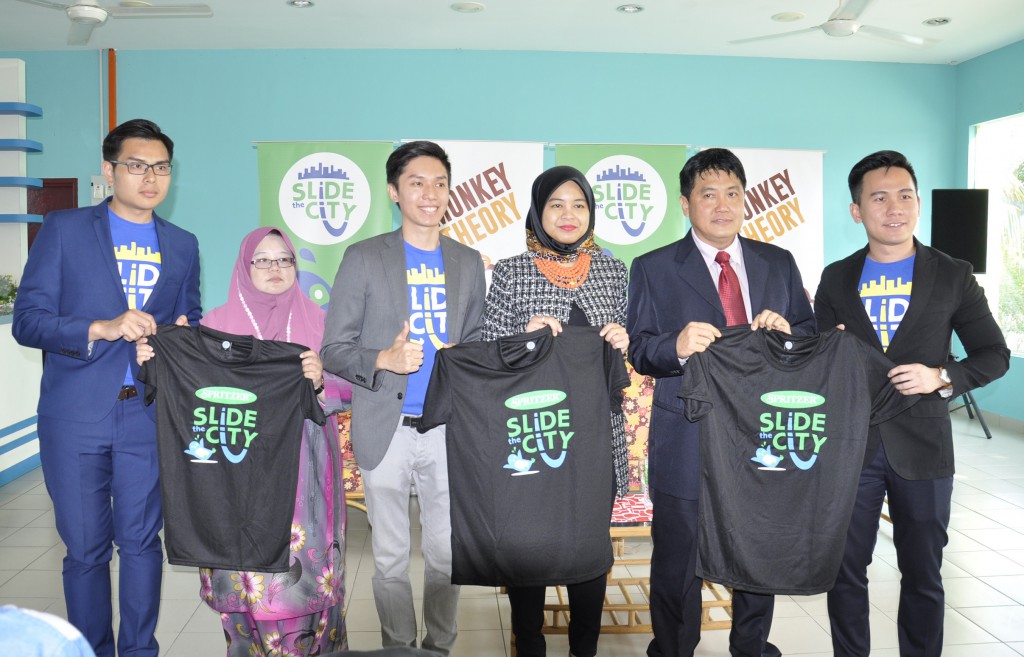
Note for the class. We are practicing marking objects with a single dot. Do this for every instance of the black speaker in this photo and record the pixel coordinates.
(960, 224)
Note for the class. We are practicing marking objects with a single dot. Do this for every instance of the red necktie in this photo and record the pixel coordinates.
(730, 293)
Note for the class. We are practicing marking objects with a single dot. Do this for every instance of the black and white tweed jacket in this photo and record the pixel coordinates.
(519, 291)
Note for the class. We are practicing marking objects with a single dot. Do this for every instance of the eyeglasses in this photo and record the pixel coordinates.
(137, 168)
(267, 263)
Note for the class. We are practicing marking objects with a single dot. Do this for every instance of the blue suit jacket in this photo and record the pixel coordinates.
(70, 280)
(669, 288)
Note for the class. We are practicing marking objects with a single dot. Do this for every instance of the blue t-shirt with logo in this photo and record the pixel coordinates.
(885, 291)
(428, 317)
(137, 252)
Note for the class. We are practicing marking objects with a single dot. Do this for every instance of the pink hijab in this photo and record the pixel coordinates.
(271, 312)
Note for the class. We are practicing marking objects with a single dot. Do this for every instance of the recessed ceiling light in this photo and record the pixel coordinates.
(300, 4)
(937, 22)
(468, 7)
(787, 17)
(629, 9)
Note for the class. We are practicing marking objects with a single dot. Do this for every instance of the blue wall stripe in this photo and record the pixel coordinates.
(18, 426)
(14, 444)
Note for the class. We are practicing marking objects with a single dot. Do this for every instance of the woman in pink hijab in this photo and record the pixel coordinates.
(298, 612)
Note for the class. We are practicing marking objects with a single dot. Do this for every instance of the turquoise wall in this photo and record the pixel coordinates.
(215, 103)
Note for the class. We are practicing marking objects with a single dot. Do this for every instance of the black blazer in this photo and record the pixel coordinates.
(669, 288)
(945, 297)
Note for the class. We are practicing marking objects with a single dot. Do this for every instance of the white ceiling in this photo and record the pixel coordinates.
(692, 27)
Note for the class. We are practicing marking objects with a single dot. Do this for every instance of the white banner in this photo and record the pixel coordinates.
(490, 195)
(785, 207)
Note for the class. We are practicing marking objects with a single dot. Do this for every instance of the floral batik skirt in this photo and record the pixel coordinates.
(290, 637)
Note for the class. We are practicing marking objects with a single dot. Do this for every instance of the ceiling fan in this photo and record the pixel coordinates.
(87, 14)
(844, 22)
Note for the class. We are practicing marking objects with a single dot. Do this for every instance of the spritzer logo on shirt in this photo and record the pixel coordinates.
(793, 432)
(221, 425)
(537, 431)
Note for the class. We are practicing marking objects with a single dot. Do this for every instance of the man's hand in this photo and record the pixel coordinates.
(771, 320)
(402, 357)
(695, 338)
(129, 326)
(181, 321)
(915, 379)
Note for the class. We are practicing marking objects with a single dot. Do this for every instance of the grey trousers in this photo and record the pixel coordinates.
(420, 459)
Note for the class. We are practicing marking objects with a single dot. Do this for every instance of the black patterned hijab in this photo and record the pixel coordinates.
(543, 187)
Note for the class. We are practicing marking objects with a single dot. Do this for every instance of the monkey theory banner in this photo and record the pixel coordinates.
(490, 195)
(784, 205)
(326, 195)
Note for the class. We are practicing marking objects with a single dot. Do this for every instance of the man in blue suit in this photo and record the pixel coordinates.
(97, 280)
(678, 299)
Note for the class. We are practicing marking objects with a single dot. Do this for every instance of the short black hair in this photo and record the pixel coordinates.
(409, 151)
(711, 159)
(134, 129)
(878, 160)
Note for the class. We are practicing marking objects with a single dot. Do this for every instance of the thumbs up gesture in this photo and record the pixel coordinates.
(402, 357)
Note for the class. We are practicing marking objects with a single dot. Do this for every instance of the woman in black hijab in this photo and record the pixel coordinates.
(562, 278)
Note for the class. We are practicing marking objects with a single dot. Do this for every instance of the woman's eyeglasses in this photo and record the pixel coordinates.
(267, 263)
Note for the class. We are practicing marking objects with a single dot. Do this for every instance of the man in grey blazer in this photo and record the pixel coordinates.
(396, 300)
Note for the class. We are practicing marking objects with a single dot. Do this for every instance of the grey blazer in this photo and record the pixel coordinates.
(369, 303)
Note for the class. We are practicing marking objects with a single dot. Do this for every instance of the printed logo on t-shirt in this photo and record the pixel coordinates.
(885, 289)
(221, 424)
(792, 432)
(537, 430)
(139, 267)
(428, 306)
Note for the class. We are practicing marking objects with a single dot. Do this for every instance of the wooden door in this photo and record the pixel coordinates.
(55, 194)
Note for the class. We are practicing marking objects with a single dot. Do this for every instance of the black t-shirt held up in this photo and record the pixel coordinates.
(784, 424)
(529, 455)
(229, 414)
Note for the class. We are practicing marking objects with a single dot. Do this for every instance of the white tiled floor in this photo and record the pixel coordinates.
(984, 575)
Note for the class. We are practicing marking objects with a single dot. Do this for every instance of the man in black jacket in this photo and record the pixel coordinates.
(905, 299)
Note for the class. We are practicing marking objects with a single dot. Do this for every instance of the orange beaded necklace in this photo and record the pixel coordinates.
(567, 277)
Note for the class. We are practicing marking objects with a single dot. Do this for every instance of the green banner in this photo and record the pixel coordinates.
(325, 195)
(636, 193)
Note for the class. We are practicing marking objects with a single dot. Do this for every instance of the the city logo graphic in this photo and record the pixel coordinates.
(535, 433)
(630, 199)
(792, 433)
(324, 198)
(220, 425)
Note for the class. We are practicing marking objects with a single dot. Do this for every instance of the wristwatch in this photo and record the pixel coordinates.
(946, 391)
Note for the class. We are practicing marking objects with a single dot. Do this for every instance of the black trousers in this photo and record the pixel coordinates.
(675, 590)
(920, 517)
(586, 602)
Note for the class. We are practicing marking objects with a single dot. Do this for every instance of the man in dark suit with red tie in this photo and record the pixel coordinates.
(679, 297)
(905, 299)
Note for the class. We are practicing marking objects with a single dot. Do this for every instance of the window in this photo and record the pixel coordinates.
(999, 167)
